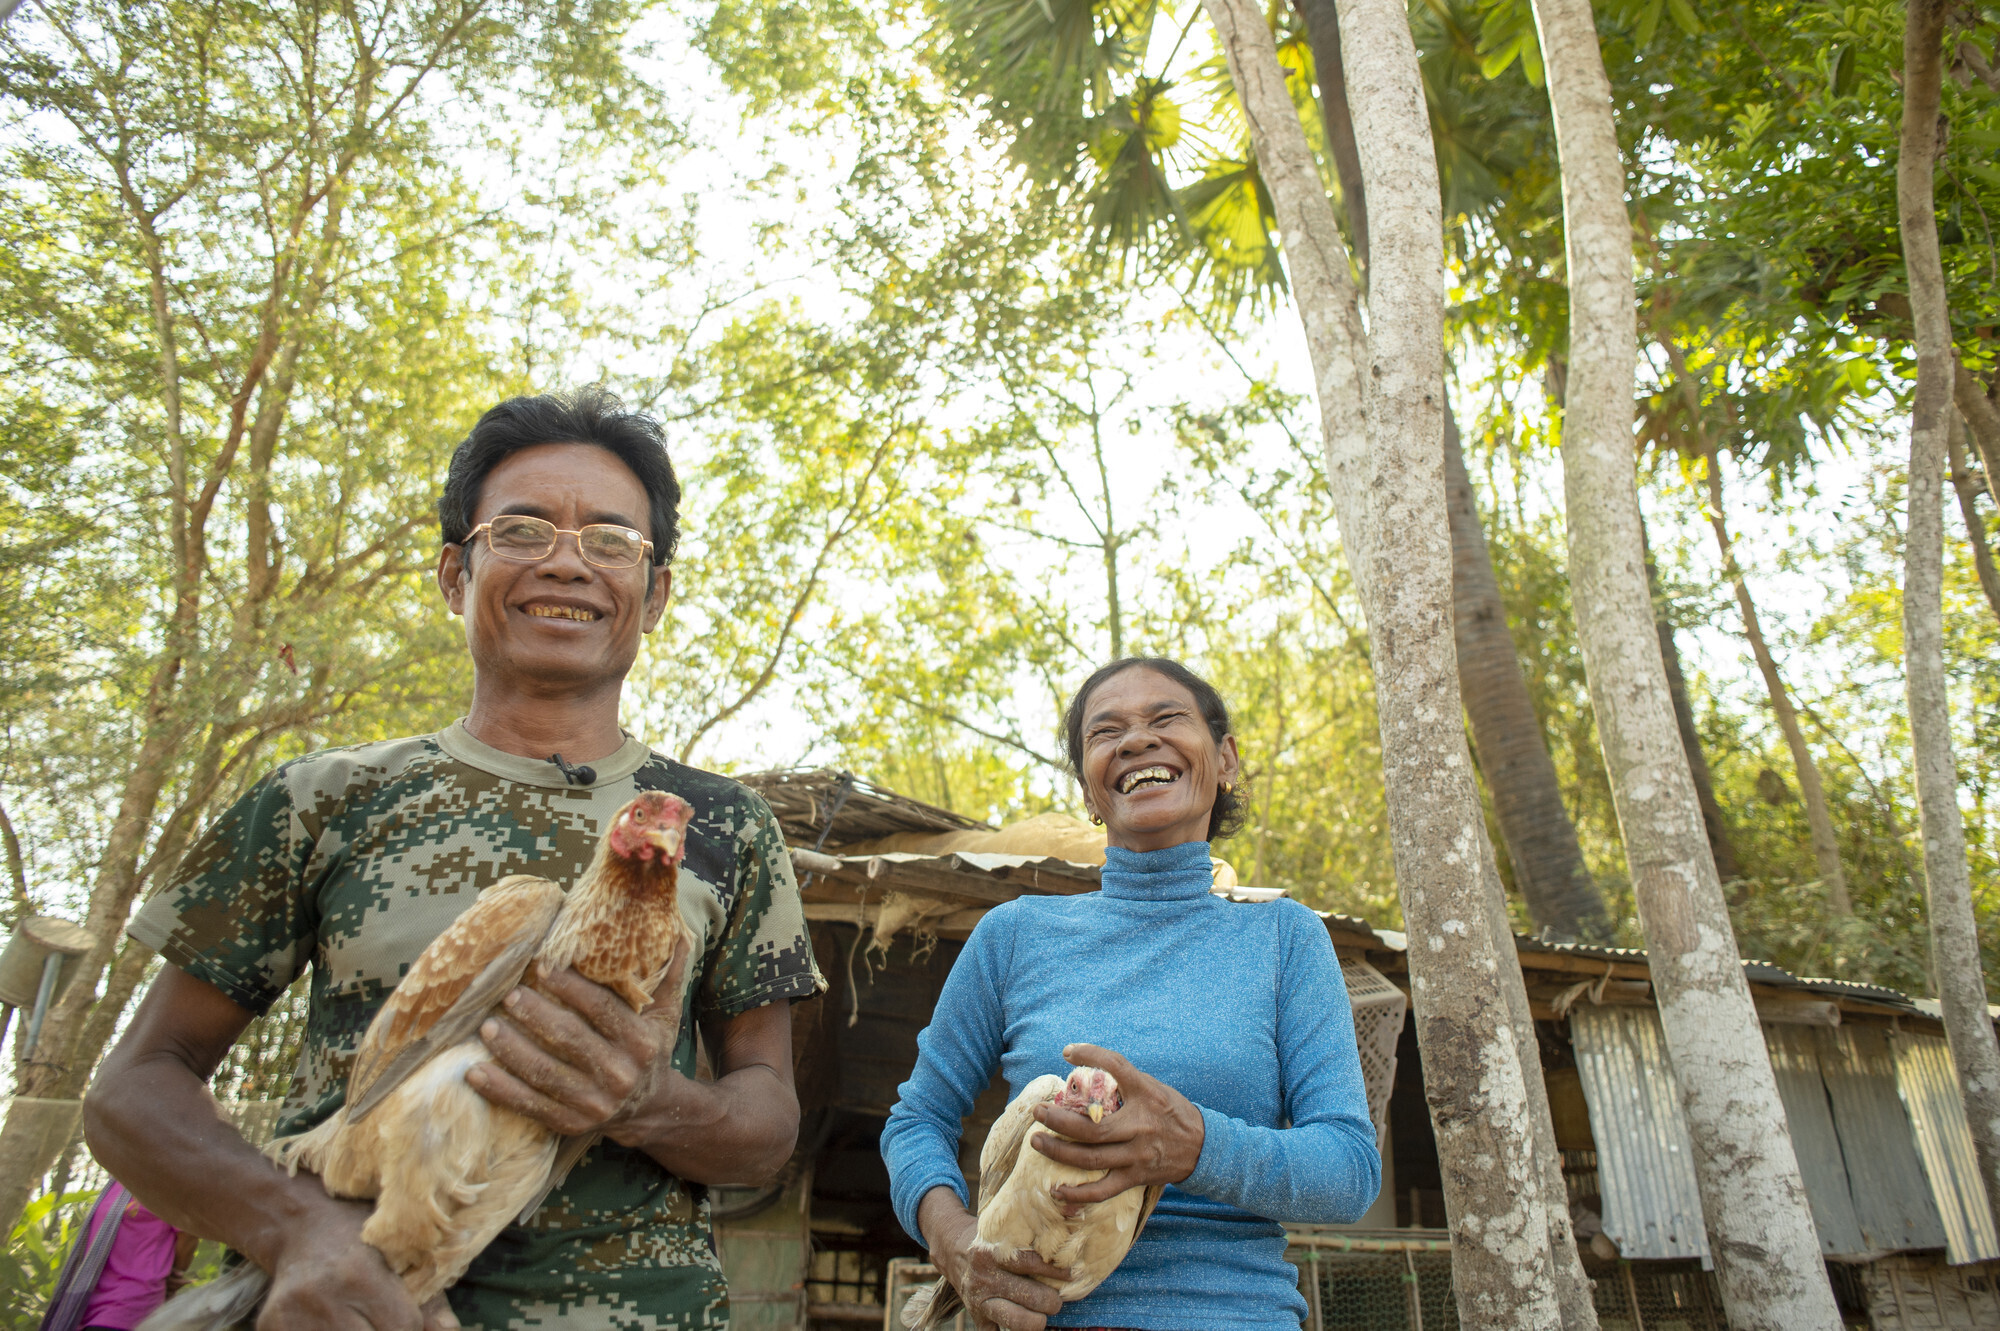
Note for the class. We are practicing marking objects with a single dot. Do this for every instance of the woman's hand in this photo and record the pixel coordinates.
(1155, 1137)
(1006, 1295)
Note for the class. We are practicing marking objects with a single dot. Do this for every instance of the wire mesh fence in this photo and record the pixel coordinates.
(1384, 1291)
(1411, 1290)
(1658, 1296)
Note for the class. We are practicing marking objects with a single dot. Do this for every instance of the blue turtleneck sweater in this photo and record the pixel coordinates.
(1238, 1006)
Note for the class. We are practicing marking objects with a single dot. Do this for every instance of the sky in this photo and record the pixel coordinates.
(755, 172)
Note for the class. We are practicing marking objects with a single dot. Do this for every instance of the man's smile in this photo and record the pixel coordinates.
(549, 610)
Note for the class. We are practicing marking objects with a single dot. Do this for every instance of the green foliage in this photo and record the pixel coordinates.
(971, 459)
(230, 252)
(48, 1228)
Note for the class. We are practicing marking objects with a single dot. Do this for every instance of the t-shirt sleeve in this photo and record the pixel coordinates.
(763, 954)
(236, 913)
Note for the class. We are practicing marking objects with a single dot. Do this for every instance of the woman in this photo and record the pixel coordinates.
(1222, 1022)
(125, 1264)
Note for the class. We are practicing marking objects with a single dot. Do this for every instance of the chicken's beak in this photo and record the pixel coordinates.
(1096, 1111)
(667, 840)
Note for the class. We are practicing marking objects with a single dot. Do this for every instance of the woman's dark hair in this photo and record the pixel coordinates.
(588, 416)
(1226, 819)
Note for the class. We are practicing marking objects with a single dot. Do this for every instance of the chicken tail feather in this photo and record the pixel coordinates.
(229, 1301)
(931, 1307)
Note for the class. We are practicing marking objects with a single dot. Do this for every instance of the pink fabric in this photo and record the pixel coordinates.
(135, 1273)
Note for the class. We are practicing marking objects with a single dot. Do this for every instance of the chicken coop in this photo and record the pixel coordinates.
(893, 886)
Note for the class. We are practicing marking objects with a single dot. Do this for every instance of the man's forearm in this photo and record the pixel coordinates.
(154, 1126)
(739, 1129)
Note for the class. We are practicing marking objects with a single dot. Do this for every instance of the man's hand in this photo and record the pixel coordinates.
(325, 1278)
(1155, 1137)
(996, 1294)
(574, 1056)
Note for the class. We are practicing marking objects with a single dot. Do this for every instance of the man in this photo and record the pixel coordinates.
(558, 519)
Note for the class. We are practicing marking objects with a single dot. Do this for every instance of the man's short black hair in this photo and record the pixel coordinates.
(588, 416)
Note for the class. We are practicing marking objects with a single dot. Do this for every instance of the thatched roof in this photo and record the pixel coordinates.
(805, 798)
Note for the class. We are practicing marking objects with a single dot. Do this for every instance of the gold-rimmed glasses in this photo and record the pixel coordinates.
(531, 540)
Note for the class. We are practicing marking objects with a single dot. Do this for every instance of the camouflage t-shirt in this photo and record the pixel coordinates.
(354, 859)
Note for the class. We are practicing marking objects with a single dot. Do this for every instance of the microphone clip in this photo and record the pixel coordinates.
(578, 775)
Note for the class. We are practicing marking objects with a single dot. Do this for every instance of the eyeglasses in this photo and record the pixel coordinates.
(529, 540)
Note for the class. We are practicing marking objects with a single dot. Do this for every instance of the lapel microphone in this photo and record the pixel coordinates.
(578, 775)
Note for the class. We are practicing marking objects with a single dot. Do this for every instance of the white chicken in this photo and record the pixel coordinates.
(1018, 1211)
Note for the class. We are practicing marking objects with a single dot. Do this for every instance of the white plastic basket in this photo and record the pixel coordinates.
(1379, 1008)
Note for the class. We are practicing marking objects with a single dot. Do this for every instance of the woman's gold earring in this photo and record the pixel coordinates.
(1229, 787)
(1095, 821)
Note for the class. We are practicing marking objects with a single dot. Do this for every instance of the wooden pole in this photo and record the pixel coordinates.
(1632, 1296)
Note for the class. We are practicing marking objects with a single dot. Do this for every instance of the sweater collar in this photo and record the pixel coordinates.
(1178, 873)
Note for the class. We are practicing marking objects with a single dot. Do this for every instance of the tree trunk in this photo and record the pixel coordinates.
(1975, 526)
(1316, 260)
(1761, 1231)
(1540, 836)
(1534, 822)
(1322, 20)
(1579, 1312)
(1390, 480)
(1520, 725)
(1728, 867)
(25, 1150)
(1825, 843)
(1513, 755)
(1502, 1270)
(1982, 417)
(1954, 935)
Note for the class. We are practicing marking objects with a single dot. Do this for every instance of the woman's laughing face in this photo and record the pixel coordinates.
(1151, 769)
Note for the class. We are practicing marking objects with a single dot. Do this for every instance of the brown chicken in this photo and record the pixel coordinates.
(446, 1169)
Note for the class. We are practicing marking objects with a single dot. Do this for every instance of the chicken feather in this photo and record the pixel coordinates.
(452, 986)
(1018, 1212)
(446, 1168)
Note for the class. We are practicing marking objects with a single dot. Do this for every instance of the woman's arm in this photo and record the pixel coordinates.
(1008, 1295)
(1323, 1169)
(956, 1056)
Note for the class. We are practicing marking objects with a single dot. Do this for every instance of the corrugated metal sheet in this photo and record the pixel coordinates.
(1795, 1061)
(1891, 1199)
(1929, 1084)
(1857, 1147)
(1853, 1139)
(1645, 1163)
(1758, 972)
